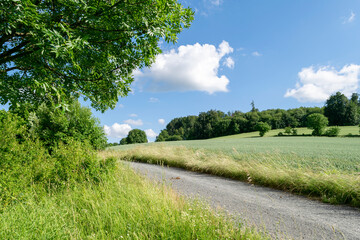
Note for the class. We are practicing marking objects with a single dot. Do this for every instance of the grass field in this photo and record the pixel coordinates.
(324, 167)
(123, 206)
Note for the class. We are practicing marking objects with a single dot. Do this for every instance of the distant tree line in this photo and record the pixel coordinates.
(339, 110)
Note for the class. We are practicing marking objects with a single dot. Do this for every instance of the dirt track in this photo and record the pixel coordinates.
(282, 215)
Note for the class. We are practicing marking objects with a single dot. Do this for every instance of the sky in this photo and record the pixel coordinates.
(279, 54)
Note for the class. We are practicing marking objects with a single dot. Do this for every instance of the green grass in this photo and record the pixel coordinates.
(322, 167)
(123, 206)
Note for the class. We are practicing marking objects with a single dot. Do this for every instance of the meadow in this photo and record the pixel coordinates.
(326, 168)
(123, 206)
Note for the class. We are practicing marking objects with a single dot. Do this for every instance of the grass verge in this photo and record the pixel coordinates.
(122, 206)
(286, 172)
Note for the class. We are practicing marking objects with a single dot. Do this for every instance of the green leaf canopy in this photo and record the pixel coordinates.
(64, 48)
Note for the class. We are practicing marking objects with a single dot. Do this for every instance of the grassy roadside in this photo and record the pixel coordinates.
(319, 178)
(123, 206)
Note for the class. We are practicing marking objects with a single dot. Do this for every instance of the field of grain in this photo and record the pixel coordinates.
(324, 167)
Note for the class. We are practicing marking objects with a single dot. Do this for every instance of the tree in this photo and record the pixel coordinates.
(262, 128)
(123, 141)
(317, 122)
(335, 109)
(136, 136)
(162, 136)
(59, 49)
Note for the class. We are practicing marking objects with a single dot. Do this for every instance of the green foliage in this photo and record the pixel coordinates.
(123, 141)
(52, 125)
(26, 165)
(136, 136)
(288, 130)
(162, 136)
(262, 128)
(61, 49)
(332, 132)
(317, 122)
(280, 134)
(294, 132)
(217, 123)
(342, 111)
(174, 138)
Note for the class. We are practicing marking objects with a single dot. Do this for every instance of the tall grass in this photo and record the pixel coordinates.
(122, 206)
(315, 178)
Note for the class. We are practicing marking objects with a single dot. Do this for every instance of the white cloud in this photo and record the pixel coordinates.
(189, 68)
(117, 130)
(229, 62)
(216, 2)
(318, 85)
(121, 105)
(256, 54)
(150, 133)
(133, 115)
(349, 19)
(153, 100)
(133, 122)
(161, 121)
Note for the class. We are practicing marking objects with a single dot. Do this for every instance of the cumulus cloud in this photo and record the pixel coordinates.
(318, 85)
(117, 130)
(350, 18)
(256, 54)
(189, 68)
(161, 121)
(133, 122)
(229, 62)
(150, 133)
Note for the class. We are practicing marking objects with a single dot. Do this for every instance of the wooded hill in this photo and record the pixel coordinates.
(339, 110)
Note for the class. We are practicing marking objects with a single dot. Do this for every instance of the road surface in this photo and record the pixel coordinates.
(280, 214)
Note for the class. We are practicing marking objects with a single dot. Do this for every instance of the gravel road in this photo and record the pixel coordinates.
(280, 214)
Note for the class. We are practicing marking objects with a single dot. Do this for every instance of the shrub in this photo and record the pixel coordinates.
(317, 122)
(332, 132)
(294, 132)
(262, 128)
(280, 134)
(174, 138)
(25, 164)
(51, 124)
(288, 130)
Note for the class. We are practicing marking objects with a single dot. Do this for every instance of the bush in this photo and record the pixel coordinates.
(294, 132)
(280, 134)
(52, 125)
(288, 130)
(26, 165)
(262, 128)
(174, 138)
(317, 122)
(332, 132)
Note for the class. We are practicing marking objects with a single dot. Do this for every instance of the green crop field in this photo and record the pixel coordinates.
(324, 167)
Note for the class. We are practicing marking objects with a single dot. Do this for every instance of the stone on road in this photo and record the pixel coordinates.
(280, 214)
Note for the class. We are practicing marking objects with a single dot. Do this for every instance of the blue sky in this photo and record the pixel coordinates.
(280, 53)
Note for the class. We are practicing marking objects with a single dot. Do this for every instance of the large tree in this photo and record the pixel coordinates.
(61, 48)
(136, 136)
(335, 109)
